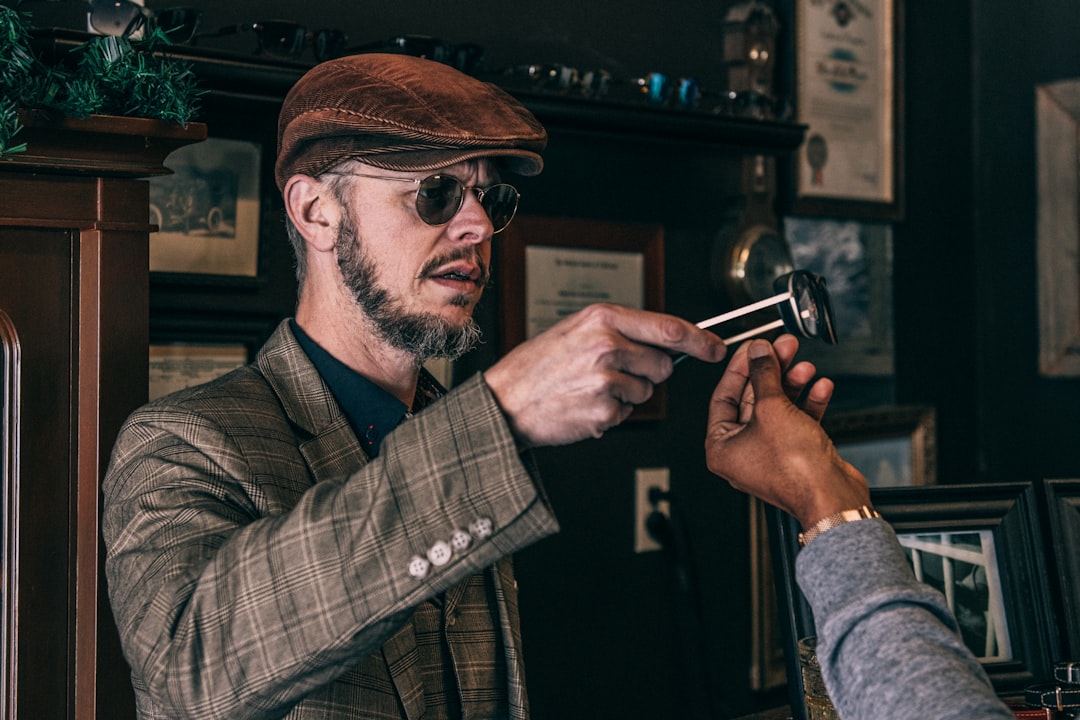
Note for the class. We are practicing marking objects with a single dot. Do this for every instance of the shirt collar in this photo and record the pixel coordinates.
(371, 411)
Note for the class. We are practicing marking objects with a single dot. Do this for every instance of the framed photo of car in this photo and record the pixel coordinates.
(207, 210)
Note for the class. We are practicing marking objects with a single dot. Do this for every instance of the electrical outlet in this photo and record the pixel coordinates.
(645, 479)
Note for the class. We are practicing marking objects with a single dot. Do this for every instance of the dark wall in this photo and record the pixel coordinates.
(601, 624)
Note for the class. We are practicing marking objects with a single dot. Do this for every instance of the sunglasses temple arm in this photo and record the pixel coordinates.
(756, 331)
(739, 312)
(745, 310)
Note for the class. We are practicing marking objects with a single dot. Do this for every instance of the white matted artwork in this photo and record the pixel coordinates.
(963, 567)
(855, 259)
(207, 211)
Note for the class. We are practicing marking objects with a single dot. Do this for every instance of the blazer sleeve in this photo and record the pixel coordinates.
(234, 602)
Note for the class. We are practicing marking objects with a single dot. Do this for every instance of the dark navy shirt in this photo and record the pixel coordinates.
(372, 412)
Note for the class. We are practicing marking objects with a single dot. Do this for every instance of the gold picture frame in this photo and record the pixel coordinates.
(893, 446)
(848, 83)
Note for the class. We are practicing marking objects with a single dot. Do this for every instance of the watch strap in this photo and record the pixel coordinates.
(828, 522)
(1053, 695)
(1067, 672)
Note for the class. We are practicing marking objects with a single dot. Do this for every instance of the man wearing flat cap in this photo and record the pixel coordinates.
(327, 532)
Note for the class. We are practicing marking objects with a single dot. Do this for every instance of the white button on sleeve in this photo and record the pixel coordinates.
(440, 553)
(481, 528)
(418, 567)
(460, 540)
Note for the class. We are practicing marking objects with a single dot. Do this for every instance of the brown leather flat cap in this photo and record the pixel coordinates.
(399, 112)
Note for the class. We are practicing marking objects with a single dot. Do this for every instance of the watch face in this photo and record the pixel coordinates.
(760, 256)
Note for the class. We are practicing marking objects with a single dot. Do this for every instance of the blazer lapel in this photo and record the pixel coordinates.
(332, 450)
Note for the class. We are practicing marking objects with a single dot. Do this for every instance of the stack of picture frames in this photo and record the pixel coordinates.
(1003, 555)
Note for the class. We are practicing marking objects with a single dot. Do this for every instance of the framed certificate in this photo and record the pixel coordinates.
(550, 268)
(848, 81)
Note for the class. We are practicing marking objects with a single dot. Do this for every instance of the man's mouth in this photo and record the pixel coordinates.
(464, 270)
(459, 275)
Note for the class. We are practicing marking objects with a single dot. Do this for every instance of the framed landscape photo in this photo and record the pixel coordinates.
(855, 258)
(550, 268)
(207, 211)
(849, 79)
(891, 446)
(981, 547)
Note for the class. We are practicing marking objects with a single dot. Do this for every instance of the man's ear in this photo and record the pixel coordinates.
(313, 210)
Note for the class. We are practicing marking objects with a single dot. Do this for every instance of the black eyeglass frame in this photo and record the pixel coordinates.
(480, 192)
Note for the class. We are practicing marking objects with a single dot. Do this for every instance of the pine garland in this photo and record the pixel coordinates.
(111, 76)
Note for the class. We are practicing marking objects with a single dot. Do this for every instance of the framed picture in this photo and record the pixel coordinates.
(1058, 147)
(1063, 503)
(552, 267)
(10, 402)
(891, 446)
(207, 211)
(767, 670)
(176, 366)
(980, 545)
(848, 80)
(855, 259)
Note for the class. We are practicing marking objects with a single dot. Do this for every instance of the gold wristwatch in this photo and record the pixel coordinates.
(830, 521)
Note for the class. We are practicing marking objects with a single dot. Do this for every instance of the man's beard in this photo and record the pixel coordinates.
(423, 335)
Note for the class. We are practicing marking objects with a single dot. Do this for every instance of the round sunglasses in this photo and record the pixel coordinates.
(440, 197)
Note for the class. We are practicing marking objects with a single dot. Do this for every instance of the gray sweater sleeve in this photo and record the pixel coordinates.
(887, 644)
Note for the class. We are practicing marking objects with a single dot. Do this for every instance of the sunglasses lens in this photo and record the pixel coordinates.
(500, 203)
(281, 38)
(113, 17)
(438, 199)
(180, 24)
(808, 312)
(329, 44)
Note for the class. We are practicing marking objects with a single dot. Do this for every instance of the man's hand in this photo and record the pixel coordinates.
(585, 374)
(763, 444)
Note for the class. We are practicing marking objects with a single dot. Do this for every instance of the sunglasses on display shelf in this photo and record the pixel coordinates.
(440, 197)
(286, 39)
(125, 18)
(802, 298)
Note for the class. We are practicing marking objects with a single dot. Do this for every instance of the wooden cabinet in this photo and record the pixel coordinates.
(73, 308)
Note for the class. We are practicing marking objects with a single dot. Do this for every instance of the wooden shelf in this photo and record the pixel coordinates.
(231, 77)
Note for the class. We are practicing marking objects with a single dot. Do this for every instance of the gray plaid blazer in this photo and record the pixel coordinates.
(255, 556)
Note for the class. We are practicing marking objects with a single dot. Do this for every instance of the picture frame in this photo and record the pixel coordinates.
(208, 212)
(551, 267)
(1062, 498)
(855, 258)
(1005, 515)
(848, 93)
(892, 446)
(188, 349)
(767, 670)
(1057, 107)
(178, 365)
(10, 439)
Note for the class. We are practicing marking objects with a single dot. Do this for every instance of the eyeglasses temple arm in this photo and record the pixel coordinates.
(756, 331)
(745, 310)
